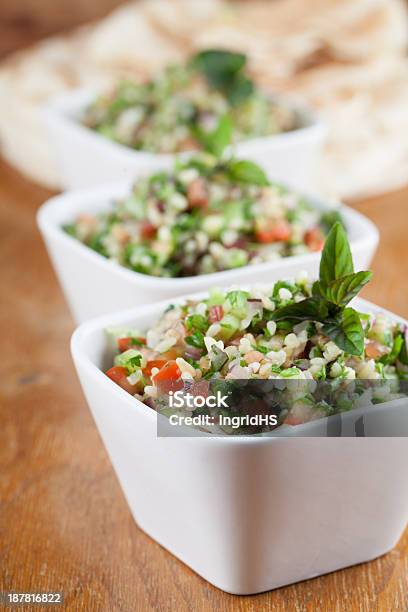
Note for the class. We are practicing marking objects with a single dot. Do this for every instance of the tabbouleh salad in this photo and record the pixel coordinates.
(173, 112)
(293, 330)
(206, 215)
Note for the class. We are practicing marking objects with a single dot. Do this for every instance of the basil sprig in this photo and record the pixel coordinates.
(245, 171)
(403, 354)
(225, 71)
(217, 140)
(337, 285)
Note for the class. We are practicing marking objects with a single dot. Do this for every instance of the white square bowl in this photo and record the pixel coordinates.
(248, 514)
(94, 285)
(85, 157)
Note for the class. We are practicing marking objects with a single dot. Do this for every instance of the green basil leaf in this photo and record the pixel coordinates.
(330, 218)
(395, 351)
(284, 325)
(342, 290)
(403, 356)
(310, 309)
(218, 64)
(224, 70)
(240, 89)
(347, 332)
(336, 260)
(218, 140)
(282, 285)
(244, 171)
(316, 290)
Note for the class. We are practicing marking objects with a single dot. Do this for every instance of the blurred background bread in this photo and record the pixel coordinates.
(345, 57)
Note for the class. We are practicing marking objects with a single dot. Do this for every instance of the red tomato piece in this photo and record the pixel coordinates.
(197, 194)
(274, 232)
(119, 375)
(314, 239)
(124, 344)
(168, 378)
(147, 230)
(215, 314)
(292, 420)
(154, 363)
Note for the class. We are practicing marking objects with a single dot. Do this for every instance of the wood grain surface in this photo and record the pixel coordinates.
(64, 523)
(22, 22)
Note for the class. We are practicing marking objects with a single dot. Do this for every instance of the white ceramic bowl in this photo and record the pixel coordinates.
(248, 514)
(94, 285)
(85, 157)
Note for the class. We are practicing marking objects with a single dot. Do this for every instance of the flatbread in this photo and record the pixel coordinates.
(346, 58)
(129, 41)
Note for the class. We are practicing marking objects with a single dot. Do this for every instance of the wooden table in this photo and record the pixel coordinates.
(22, 22)
(64, 523)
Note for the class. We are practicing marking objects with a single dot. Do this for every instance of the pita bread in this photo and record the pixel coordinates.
(28, 79)
(196, 16)
(128, 40)
(344, 57)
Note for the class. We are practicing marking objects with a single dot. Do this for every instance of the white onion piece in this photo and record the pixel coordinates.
(253, 309)
(239, 373)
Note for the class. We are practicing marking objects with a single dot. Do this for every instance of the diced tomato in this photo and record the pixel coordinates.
(119, 375)
(147, 230)
(168, 378)
(292, 420)
(197, 194)
(124, 344)
(274, 232)
(314, 239)
(215, 314)
(154, 363)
